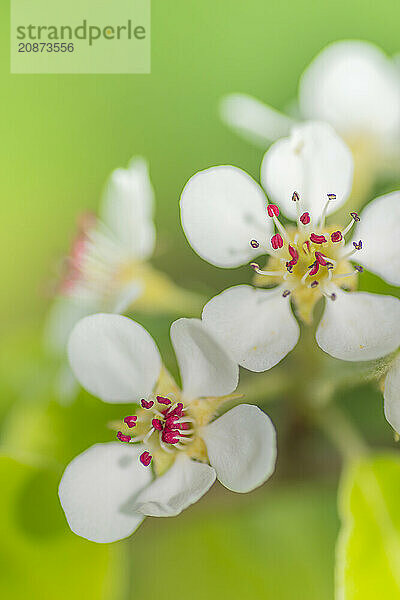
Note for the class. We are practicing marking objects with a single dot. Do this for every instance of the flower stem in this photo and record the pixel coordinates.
(341, 432)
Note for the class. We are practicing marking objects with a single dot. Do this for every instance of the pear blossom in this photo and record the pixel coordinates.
(228, 223)
(171, 448)
(351, 84)
(108, 269)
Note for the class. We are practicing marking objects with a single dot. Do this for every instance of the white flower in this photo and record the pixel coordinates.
(108, 269)
(353, 86)
(226, 221)
(106, 491)
(391, 394)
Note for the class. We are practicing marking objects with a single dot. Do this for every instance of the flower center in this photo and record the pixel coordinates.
(308, 258)
(160, 424)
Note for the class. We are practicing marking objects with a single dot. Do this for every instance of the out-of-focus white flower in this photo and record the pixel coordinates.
(227, 223)
(106, 491)
(350, 84)
(108, 269)
(391, 393)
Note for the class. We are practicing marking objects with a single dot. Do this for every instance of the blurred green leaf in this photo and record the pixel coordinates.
(369, 544)
(40, 558)
(275, 544)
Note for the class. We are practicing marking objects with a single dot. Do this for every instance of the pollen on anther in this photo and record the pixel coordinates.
(131, 420)
(272, 210)
(145, 458)
(146, 404)
(156, 423)
(317, 239)
(254, 244)
(123, 438)
(305, 218)
(276, 241)
(163, 400)
(336, 236)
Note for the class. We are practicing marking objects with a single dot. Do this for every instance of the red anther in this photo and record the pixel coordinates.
(163, 400)
(290, 264)
(307, 245)
(145, 458)
(157, 424)
(317, 239)
(177, 412)
(146, 404)
(170, 436)
(254, 244)
(314, 269)
(355, 216)
(294, 254)
(321, 258)
(170, 422)
(295, 197)
(131, 420)
(122, 437)
(305, 218)
(272, 210)
(183, 426)
(336, 236)
(276, 241)
(314, 284)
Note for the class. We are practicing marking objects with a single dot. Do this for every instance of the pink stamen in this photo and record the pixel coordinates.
(145, 458)
(169, 436)
(321, 259)
(131, 420)
(314, 268)
(305, 218)
(146, 404)
(157, 424)
(276, 241)
(163, 400)
(123, 438)
(272, 210)
(336, 236)
(317, 239)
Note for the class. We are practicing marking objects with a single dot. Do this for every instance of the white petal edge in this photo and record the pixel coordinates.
(254, 120)
(379, 230)
(64, 313)
(359, 326)
(182, 485)
(114, 358)
(313, 161)
(241, 446)
(127, 208)
(256, 326)
(206, 368)
(392, 395)
(95, 486)
(222, 210)
(353, 85)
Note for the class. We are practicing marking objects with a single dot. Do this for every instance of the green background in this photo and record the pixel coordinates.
(61, 136)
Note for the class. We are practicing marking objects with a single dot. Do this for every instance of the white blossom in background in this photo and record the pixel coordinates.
(171, 448)
(391, 394)
(228, 223)
(351, 84)
(108, 268)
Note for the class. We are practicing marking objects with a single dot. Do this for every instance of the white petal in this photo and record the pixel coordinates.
(222, 210)
(114, 358)
(127, 208)
(206, 368)
(126, 296)
(392, 395)
(354, 86)
(360, 326)
(95, 487)
(254, 120)
(379, 230)
(314, 161)
(241, 446)
(182, 485)
(256, 326)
